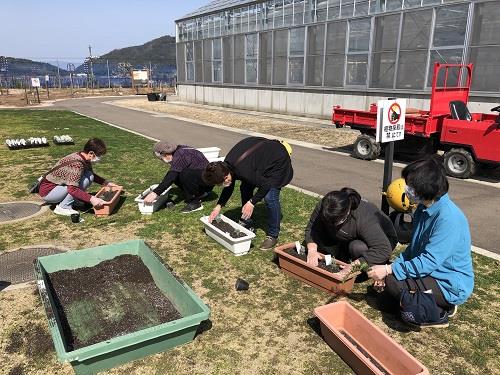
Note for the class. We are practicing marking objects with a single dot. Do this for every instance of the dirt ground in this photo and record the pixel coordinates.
(18, 98)
(284, 128)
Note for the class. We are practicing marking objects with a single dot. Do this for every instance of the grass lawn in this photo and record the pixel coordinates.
(267, 330)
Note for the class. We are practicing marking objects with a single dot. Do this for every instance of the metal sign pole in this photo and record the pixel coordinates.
(388, 164)
(37, 95)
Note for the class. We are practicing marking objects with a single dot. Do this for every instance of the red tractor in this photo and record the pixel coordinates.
(466, 139)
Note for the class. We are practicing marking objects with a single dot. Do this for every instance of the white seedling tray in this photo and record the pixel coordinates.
(238, 246)
(148, 209)
(210, 152)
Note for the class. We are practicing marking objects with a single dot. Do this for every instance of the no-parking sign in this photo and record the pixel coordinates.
(391, 120)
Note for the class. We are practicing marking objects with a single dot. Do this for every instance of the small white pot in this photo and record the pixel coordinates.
(238, 246)
(148, 209)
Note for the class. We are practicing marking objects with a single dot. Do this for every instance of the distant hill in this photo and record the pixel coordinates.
(20, 67)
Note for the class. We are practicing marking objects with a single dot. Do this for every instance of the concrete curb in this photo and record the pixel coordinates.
(475, 249)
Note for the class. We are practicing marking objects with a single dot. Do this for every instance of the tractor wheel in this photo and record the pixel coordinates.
(459, 163)
(366, 148)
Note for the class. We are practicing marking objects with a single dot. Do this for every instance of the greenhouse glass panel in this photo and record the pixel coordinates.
(251, 45)
(296, 70)
(411, 70)
(298, 12)
(334, 70)
(411, 4)
(359, 35)
(392, 5)
(280, 43)
(333, 9)
(356, 70)
(361, 7)
(244, 19)
(237, 21)
(269, 14)
(430, 2)
(217, 48)
(314, 69)
(228, 59)
(278, 13)
(336, 37)
(377, 6)
(279, 71)
(251, 71)
(181, 62)
(383, 67)
(451, 23)
(486, 73)
(445, 56)
(486, 29)
(217, 71)
(316, 40)
(198, 61)
(416, 29)
(252, 18)
(297, 40)
(321, 10)
(265, 69)
(347, 8)
(265, 45)
(386, 32)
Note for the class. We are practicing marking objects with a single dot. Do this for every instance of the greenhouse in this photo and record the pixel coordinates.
(303, 56)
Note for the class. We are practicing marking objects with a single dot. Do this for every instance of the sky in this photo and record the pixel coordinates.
(51, 30)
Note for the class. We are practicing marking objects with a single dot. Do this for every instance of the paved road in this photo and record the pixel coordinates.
(315, 170)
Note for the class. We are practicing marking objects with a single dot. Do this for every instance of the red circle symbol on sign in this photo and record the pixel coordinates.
(394, 113)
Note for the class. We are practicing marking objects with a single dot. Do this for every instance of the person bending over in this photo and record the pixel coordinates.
(440, 248)
(68, 181)
(261, 164)
(186, 167)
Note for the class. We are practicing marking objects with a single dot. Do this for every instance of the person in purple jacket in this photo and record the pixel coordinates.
(186, 167)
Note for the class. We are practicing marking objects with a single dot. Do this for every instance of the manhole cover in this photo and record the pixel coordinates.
(17, 266)
(14, 211)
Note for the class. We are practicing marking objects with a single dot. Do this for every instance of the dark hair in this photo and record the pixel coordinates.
(337, 204)
(95, 145)
(215, 173)
(427, 176)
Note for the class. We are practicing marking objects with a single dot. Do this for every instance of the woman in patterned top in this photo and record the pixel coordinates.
(67, 185)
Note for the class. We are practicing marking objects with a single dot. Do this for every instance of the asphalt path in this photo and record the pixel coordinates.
(315, 170)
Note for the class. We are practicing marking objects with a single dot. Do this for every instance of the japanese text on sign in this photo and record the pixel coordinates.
(390, 120)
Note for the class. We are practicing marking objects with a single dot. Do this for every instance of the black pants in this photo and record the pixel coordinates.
(345, 251)
(394, 288)
(191, 183)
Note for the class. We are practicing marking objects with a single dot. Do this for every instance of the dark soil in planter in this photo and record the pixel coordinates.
(333, 268)
(364, 352)
(113, 298)
(228, 228)
(107, 195)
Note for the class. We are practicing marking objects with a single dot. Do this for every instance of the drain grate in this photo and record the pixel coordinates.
(17, 266)
(17, 210)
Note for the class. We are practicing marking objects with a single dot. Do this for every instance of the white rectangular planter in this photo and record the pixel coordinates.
(238, 246)
(148, 209)
(210, 152)
(220, 158)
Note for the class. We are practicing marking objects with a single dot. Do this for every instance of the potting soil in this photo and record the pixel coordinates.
(113, 298)
(228, 228)
(107, 195)
(364, 352)
(333, 267)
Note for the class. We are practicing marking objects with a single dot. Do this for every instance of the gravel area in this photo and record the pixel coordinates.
(297, 130)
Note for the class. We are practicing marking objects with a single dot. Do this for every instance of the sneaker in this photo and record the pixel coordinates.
(203, 196)
(78, 204)
(169, 204)
(452, 311)
(191, 207)
(442, 323)
(268, 243)
(64, 211)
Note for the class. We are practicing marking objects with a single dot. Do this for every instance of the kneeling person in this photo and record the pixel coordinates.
(186, 167)
(67, 182)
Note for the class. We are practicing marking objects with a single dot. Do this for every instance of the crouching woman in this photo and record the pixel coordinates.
(67, 182)
(350, 228)
(438, 259)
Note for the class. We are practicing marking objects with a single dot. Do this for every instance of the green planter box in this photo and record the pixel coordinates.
(132, 346)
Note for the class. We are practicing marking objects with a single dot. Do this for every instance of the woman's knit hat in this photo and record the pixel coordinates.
(164, 147)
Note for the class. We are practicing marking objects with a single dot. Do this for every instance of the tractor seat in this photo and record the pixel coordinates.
(459, 111)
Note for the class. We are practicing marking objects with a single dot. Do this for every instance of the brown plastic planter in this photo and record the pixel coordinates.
(314, 276)
(362, 345)
(107, 209)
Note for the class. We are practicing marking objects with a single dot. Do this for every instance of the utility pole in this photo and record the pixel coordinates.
(71, 69)
(91, 69)
(109, 78)
(58, 75)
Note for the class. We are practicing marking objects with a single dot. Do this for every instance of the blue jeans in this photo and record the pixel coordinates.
(273, 205)
(60, 193)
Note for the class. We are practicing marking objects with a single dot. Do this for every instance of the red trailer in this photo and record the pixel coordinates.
(466, 139)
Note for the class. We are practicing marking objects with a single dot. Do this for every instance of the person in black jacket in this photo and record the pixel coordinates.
(259, 163)
(350, 228)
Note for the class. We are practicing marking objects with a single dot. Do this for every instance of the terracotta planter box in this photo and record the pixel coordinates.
(362, 345)
(107, 209)
(314, 276)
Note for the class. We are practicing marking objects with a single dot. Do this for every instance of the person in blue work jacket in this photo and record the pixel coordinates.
(440, 247)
